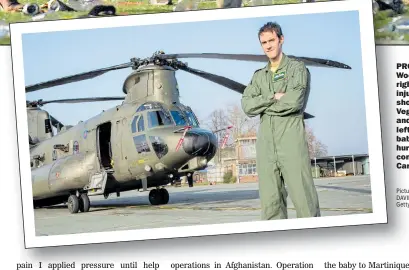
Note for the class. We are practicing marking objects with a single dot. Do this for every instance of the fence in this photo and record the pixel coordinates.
(215, 174)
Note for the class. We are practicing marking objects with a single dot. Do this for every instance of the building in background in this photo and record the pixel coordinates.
(246, 159)
(241, 164)
(345, 165)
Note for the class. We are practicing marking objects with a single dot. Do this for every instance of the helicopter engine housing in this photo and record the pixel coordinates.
(152, 83)
(39, 125)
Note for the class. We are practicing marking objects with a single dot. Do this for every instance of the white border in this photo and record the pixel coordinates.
(364, 7)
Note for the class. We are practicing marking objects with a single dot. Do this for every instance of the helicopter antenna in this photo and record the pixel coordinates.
(185, 130)
(226, 136)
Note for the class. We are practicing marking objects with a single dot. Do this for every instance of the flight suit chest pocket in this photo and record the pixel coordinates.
(280, 82)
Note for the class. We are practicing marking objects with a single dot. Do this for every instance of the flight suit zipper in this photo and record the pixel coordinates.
(272, 120)
(273, 127)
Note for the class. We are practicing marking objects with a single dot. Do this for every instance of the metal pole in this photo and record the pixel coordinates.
(237, 172)
(335, 167)
(353, 164)
(315, 160)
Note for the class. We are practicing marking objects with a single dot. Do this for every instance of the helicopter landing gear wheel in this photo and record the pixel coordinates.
(158, 196)
(84, 203)
(73, 204)
(164, 194)
(154, 197)
(190, 180)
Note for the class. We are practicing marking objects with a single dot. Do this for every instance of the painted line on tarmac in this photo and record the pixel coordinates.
(165, 207)
(95, 210)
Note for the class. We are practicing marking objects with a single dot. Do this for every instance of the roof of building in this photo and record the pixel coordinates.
(249, 137)
(341, 157)
(324, 158)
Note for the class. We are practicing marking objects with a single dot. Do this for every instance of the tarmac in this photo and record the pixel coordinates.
(198, 205)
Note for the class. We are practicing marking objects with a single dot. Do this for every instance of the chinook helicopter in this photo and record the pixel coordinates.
(147, 142)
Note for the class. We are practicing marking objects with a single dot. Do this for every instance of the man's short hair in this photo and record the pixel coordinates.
(271, 27)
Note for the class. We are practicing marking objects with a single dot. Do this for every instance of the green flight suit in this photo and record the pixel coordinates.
(282, 148)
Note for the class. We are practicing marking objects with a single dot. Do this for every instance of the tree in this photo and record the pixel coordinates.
(315, 147)
(217, 120)
(242, 124)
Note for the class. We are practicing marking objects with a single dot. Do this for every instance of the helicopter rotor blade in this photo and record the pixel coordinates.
(236, 86)
(318, 62)
(226, 82)
(308, 116)
(80, 100)
(76, 77)
(242, 57)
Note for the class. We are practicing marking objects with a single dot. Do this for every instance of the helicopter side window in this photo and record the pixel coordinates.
(47, 123)
(133, 125)
(141, 144)
(158, 118)
(179, 118)
(141, 124)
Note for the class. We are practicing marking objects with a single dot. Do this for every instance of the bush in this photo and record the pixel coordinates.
(228, 178)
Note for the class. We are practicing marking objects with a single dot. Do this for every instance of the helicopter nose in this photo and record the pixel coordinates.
(200, 143)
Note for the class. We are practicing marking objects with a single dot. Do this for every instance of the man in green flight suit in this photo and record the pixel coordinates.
(278, 93)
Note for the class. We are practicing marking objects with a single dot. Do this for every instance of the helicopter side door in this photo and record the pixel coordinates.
(104, 145)
(117, 146)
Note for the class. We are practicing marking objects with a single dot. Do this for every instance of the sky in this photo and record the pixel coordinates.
(336, 99)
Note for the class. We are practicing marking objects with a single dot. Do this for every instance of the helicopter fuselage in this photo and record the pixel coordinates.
(135, 147)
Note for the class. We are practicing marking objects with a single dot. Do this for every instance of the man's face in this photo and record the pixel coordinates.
(271, 44)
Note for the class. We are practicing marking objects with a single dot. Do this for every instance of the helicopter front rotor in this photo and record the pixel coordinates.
(160, 58)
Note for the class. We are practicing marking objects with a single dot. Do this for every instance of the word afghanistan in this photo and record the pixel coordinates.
(239, 265)
(280, 265)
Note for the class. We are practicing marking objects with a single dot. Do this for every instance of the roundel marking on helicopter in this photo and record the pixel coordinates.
(85, 134)
(76, 147)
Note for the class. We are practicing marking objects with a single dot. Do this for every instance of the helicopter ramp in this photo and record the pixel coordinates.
(199, 205)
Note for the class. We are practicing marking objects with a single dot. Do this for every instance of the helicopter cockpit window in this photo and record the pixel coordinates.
(192, 118)
(159, 118)
(149, 106)
(179, 118)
